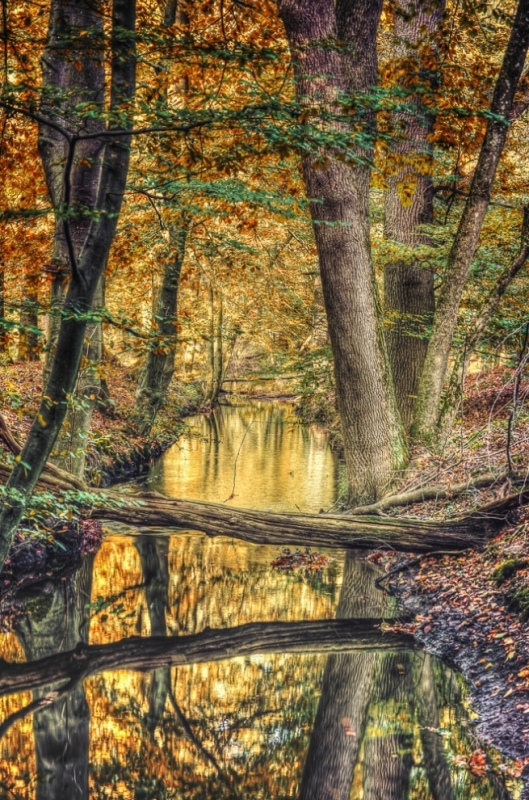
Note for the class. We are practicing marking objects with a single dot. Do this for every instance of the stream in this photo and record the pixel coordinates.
(356, 725)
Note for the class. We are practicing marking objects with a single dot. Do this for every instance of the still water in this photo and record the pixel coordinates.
(227, 723)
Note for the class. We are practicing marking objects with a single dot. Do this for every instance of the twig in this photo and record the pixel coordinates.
(232, 495)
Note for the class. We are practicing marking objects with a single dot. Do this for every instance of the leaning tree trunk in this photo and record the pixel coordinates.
(69, 80)
(467, 236)
(374, 442)
(409, 300)
(86, 273)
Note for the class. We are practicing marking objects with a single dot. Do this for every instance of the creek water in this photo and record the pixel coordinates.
(258, 723)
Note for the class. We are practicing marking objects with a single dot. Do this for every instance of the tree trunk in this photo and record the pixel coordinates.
(160, 363)
(374, 442)
(460, 258)
(454, 391)
(215, 348)
(409, 300)
(159, 367)
(73, 72)
(28, 349)
(86, 273)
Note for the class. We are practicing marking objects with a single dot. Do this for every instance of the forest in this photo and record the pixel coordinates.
(264, 341)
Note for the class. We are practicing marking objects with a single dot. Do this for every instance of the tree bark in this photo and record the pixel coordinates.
(374, 443)
(409, 299)
(467, 236)
(86, 273)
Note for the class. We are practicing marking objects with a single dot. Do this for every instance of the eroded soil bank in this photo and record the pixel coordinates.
(470, 610)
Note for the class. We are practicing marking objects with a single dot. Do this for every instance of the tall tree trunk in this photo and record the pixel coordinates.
(159, 367)
(72, 73)
(374, 442)
(215, 348)
(467, 236)
(409, 300)
(86, 273)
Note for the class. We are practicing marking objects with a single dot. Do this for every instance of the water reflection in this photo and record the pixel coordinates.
(220, 722)
(257, 455)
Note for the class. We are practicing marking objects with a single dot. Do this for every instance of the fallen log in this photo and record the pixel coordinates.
(150, 509)
(148, 653)
(348, 532)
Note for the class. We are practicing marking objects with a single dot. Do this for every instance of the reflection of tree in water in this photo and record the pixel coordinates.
(376, 730)
(56, 619)
(240, 728)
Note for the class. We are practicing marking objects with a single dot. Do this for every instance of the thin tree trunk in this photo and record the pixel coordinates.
(409, 300)
(454, 392)
(466, 240)
(374, 442)
(28, 349)
(160, 363)
(159, 367)
(86, 273)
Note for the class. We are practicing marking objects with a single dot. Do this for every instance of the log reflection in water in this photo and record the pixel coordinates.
(56, 620)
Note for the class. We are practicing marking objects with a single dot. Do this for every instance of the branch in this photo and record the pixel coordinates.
(437, 492)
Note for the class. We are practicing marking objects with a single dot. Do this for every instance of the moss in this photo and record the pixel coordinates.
(519, 598)
(508, 569)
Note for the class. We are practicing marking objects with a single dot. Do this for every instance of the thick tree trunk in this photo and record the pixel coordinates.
(409, 299)
(86, 273)
(460, 258)
(160, 363)
(374, 443)
(73, 73)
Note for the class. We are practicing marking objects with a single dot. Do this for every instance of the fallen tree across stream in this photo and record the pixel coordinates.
(154, 510)
(148, 653)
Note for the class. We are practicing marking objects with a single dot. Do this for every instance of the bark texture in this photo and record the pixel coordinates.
(469, 229)
(86, 273)
(409, 300)
(73, 73)
(326, 78)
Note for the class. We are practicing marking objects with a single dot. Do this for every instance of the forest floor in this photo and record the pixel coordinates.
(115, 448)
